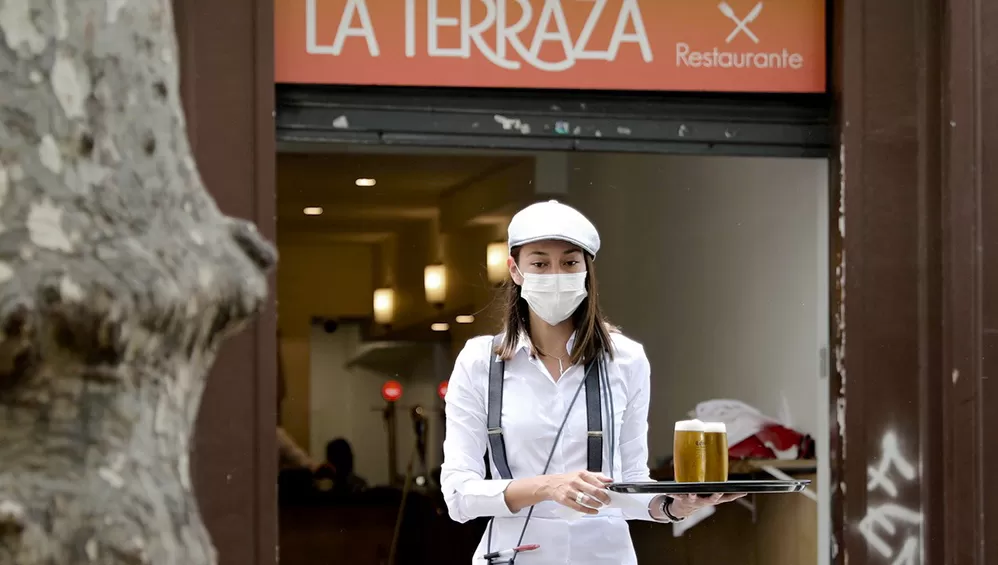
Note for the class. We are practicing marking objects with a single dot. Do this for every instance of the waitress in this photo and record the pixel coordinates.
(557, 406)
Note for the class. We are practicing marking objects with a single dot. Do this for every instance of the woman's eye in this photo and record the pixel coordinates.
(571, 263)
(537, 265)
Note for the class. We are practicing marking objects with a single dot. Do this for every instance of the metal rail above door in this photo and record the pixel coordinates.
(537, 120)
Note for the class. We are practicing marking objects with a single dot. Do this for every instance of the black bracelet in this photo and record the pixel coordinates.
(665, 510)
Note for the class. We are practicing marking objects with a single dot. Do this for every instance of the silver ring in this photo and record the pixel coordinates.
(579, 498)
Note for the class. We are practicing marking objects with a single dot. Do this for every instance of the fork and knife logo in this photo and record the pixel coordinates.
(741, 25)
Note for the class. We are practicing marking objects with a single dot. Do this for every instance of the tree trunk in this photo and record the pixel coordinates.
(118, 278)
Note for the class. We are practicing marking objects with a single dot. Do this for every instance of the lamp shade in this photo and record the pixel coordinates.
(384, 306)
(391, 391)
(435, 283)
(495, 261)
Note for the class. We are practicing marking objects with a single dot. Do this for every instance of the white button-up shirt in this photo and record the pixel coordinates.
(534, 405)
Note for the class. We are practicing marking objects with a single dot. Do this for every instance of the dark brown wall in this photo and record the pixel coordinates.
(969, 77)
(916, 325)
(227, 85)
(986, 189)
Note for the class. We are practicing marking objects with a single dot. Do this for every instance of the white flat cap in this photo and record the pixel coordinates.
(553, 220)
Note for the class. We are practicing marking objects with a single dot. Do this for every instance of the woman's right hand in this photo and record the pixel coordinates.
(564, 489)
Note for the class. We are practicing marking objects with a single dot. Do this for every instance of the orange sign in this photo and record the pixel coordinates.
(700, 45)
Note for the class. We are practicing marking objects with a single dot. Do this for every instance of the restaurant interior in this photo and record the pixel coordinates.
(390, 259)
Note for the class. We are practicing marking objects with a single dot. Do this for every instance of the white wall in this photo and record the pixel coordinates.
(711, 263)
(315, 279)
(345, 402)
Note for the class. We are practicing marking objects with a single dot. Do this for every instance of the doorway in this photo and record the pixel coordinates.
(718, 264)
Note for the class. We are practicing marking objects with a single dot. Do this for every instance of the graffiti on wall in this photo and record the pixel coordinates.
(890, 527)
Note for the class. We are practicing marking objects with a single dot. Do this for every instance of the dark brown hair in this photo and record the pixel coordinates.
(592, 328)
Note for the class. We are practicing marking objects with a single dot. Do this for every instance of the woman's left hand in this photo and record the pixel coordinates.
(684, 505)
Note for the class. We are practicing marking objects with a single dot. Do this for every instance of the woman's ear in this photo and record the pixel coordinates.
(514, 271)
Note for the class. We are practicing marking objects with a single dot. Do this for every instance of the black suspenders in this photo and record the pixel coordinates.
(594, 416)
(493, 423)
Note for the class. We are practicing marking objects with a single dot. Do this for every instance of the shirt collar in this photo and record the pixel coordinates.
(523, 343)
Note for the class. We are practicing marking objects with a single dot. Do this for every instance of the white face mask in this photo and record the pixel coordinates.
(554, 298)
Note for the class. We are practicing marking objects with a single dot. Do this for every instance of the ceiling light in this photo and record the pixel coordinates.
(313, 211)
(468, 319)
(440, 327)
(366, 182)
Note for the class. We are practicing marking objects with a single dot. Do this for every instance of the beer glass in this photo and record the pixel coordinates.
(716, 447)
(689, 452)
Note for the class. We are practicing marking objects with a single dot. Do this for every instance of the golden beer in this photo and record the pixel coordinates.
(689, 454)
(716, 440)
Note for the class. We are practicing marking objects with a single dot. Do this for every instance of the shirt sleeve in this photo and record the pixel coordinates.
(462, 476)
(634, 434)
(290, 454)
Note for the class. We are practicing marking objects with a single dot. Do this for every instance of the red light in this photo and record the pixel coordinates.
(391, 391)
(442, 389)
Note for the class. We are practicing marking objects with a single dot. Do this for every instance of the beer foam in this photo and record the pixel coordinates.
(690, 426)
(715, 428)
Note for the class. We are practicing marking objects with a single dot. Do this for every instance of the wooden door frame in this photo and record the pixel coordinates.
(915, 282)
(227, 83)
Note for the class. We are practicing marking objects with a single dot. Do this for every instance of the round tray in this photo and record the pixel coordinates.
(728, 487)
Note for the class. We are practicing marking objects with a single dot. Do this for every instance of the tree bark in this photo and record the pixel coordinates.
(118, 278)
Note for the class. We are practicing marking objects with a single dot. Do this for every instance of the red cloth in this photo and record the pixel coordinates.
(772, 439)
